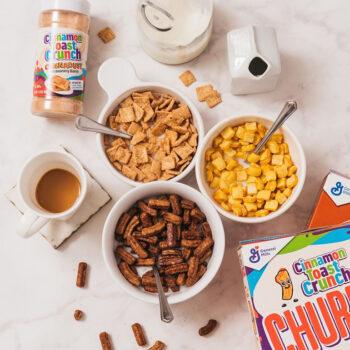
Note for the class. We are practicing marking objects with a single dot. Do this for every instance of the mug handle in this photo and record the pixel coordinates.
(30, 223)
(115, 75)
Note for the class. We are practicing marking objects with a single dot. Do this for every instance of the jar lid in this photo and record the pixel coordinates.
(80, 6)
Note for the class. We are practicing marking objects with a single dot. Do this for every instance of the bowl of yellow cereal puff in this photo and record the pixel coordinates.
(244, 186)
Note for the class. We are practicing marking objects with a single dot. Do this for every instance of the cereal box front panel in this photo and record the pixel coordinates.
(301, 294)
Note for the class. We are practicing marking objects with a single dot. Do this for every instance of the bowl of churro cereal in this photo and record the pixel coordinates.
(167, 225)
(244, 186)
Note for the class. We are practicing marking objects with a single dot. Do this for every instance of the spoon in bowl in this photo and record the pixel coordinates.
(87, 124)
(166, 314)
(288, 109)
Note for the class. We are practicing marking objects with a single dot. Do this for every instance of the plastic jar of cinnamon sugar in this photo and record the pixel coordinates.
(60, 68)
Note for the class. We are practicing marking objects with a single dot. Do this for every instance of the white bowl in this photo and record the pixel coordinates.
(118, 78)
(157, 188)
(296, 152)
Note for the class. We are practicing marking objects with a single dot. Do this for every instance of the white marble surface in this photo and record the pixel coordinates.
(37, 292)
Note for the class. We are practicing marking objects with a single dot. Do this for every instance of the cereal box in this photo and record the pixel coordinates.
(298, 289)
(333, 203)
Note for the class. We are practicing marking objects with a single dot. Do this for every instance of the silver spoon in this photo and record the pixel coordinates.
(166, 314)
(87, 124)
(289, 108)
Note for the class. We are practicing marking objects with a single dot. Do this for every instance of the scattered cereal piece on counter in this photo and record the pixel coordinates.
(187, 78)
(208, 328)
(81, 275)
(106, 35)
(204, 91)
(158, 345)
(139, 334)
(214, 99)
(105, 341)
(78, 315)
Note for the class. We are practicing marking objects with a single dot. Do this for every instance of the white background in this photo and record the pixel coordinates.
(37, 290)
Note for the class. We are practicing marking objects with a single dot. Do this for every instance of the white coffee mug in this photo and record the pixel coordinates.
(36, 217)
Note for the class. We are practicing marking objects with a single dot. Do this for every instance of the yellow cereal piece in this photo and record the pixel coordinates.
(254, 170)
(242, 155)
(262, 212)
(228, 176)
(219, 163)
(248, 136)
(265, 157)
(236, 144)
(249, 199)
(281, 171)
(264, 194)
(224, 186)
(237, 211)
(208, 154)
(220, 196)
(277, 159)
(253, 158)
(225, 206)
(251, 126)
(277, 137)
(228, 133)
(257, 139)
(292, 181)
(244, 210)
(210, 176)
(251, 179)
(216, 172)
(234, 202)
(216, 154)
(252, 189)
(280, 198)
(271, 185)
(247, 148)
(271, 205)
(260, 184)
(287, 192)
(237, 192)
(231, 164)
(241, 175)
(225, 145)
(260, 204)
(270, 175)
(281, 184)
(230, 153)
(284, 148)
(240, 132)
(217, 141)
(292, 170)
(250, 207)
(273, 147)
(287, 160)
(261, 130)
(215, 183)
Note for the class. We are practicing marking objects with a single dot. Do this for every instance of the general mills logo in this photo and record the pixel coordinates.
(255, 255)
(337, 190)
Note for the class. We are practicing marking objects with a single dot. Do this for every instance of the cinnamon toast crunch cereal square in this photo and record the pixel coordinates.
(187, 78)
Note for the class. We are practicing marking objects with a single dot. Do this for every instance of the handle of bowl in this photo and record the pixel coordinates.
(115, 75)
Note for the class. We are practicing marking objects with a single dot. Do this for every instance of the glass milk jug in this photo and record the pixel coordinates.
(174, 32)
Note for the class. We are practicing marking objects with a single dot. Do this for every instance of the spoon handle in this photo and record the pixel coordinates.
(87, 124)
(289, 108)
(166, 314)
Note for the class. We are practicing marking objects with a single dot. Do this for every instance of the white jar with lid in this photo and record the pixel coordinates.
(175, 32)
(60, 68)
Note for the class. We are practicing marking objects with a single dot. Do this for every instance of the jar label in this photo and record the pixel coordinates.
(60, 68)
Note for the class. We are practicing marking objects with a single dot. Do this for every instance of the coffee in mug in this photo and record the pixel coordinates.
(57, 190)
